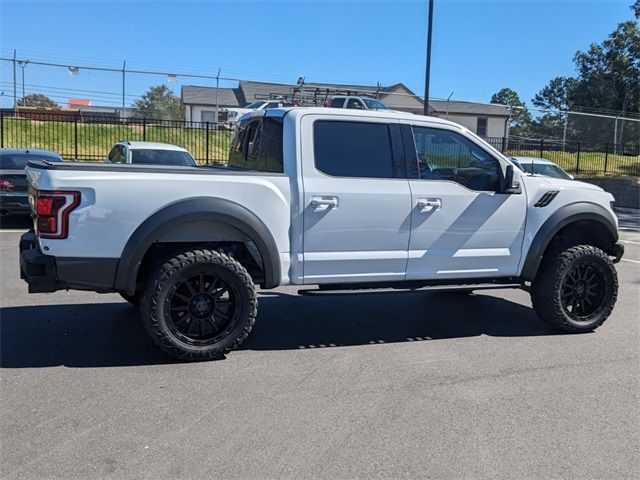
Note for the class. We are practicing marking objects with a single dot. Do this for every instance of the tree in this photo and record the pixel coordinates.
(520, 116)
(607, 81)
(37, 100)
(158, 103)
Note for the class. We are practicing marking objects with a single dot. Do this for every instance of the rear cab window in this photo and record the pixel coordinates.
(257, 145)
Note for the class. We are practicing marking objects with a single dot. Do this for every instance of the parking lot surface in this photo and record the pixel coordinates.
(382, 384)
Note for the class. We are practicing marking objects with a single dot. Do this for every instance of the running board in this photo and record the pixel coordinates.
(410, 286)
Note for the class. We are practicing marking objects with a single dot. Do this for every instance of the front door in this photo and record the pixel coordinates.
(357, 200)
(462, 227)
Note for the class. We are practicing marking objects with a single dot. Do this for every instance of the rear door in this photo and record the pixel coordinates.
(357, 200)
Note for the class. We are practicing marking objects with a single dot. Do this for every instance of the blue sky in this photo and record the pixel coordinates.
(478, 46)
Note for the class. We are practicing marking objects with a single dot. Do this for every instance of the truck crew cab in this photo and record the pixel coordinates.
(319, 196)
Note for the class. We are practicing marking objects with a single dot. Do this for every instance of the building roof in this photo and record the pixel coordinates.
(252, 91)
(195, 95)
(74, 102)
(468, 108)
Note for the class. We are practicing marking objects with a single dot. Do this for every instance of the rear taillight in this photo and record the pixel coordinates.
(52, 210)
(6, 185)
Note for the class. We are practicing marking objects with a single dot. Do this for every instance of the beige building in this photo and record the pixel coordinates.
(484, 119)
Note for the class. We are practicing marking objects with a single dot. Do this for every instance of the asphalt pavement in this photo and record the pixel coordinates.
(380, 384)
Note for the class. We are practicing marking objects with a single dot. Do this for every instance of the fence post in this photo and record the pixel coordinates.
(504, 145)
(578, 160)
(1, 128)
(144, 129)
(606, 157)
(206, 142)
(75, 136)
(541, 147)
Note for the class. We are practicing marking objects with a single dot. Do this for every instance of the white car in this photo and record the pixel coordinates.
(149, 153)
(356, 103)
(540, 166)
(233, 113)
(339, 198)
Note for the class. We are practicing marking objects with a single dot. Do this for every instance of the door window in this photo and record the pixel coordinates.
(337, 102)
(353, 149)
(447, 155)
(355, 103)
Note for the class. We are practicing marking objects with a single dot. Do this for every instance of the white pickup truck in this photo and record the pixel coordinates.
(319, 196)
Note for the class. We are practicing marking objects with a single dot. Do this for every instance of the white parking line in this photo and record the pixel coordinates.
(629, 260)
(11, 231)
(629, 241)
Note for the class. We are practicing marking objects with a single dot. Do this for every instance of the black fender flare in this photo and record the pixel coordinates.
(199, 209)
(558, 220)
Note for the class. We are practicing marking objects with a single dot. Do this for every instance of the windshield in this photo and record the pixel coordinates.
(375, 104)
(161, 157)
(546, 169)
(17, 161)
(256, 104)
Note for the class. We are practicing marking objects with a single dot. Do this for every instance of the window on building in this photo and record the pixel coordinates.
(481, 127)
(208, 116)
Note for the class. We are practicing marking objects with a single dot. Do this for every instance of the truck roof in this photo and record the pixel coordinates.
(153, 146)
(345, 112)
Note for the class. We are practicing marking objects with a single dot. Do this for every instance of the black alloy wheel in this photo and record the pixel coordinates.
(202, 308)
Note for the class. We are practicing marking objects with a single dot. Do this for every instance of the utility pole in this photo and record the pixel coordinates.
(428, 69)
(217, 95)
(15, 86)
(124, 69)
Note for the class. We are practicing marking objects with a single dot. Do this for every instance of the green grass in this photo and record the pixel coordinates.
(95, 140)
(590, 163)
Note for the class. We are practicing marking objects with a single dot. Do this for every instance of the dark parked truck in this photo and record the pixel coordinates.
(319, 196)
(13, 179)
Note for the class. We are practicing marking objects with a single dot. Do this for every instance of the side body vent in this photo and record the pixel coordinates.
(546, 199)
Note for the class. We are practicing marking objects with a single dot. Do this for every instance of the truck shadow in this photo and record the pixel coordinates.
(110, 334)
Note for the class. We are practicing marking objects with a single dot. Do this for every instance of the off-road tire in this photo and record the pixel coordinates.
(551, 281)
(156, 294)
(132, 299)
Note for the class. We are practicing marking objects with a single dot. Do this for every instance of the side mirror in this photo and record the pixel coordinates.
(508, 185)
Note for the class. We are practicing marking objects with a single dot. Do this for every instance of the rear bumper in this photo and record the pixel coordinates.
(38, 270)
(45, 273)
(13, 204)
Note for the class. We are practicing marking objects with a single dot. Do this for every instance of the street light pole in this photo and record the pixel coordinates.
(23, 64)
(428, 69)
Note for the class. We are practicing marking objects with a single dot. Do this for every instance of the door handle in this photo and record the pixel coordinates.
(324, 203)
(429, 204)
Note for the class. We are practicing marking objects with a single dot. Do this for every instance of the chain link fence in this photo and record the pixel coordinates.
(82, 110)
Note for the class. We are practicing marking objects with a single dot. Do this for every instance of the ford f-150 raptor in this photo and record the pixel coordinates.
(319, 196)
